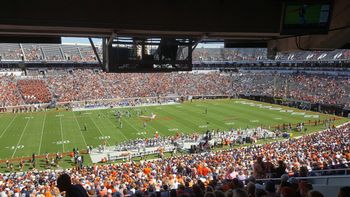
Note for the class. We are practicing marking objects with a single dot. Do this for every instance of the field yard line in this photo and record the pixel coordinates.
(61, 132)
(8, 126)
(14, 152)
(132, 127)
(42, 133)
(98, 129)
(119, 131)
(205, 119)
(76, 120)
(177, 122)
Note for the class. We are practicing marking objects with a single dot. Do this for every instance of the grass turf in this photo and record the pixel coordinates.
(61, 131)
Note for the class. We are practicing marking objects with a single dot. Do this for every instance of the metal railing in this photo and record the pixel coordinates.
(336, 179)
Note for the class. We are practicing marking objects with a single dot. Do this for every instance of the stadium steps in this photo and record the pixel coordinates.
(52, 52)
(71, 52)
(32, 52)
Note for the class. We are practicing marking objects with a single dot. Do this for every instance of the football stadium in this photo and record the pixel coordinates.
(175, 99)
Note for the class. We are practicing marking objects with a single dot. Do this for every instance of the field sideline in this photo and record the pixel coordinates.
(60, 131)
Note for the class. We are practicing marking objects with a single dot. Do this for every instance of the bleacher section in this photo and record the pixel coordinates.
(91, 84)
(9, 94)
(34, 91)
(71, 52)
(85, 53)
(32, 52)
(48, 52)
(10, 52)
(52, 52)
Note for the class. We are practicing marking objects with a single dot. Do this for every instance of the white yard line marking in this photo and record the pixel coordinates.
(130, 126)
(14, 152)
(177, 123)
(61, 133)
(42, 133)
(8, 126)
(98, 128)
(119, 130)
(80, 129)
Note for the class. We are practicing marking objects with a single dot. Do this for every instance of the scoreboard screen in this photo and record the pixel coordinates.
(306, 18)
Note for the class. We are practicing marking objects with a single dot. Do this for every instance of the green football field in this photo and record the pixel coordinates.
(54, 131)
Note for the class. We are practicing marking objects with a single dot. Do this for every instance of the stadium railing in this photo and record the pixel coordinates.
(328, 185)
(320, 179)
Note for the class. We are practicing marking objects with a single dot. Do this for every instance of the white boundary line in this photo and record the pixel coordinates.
(177, 123)
(8, 126)
(42, 133)
(76, 120)
(19, 141)
(61, 129)
(98, 128)
(131, 126)
(118, 129)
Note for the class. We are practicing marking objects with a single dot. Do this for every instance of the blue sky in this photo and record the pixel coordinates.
(79, 40)
(98, 41)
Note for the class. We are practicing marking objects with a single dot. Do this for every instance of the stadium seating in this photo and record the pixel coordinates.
(221, 172)
(52, 52)
(32, 52)
(84, 53)
(71, 52)
(10, 52)
(89, 84)
(9, 94)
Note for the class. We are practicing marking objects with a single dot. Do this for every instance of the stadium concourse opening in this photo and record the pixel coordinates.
(175, 99)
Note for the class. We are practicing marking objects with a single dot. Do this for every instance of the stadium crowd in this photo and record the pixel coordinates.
(34, 91)
(89, 84)
(216, 174)
(32, 52)
(9, 95)
(325, 89)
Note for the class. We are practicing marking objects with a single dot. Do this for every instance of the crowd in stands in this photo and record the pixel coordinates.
(325, 89)
(232, 172)
(9, 94)
(92, 84)
(34, 91)
(76, 86)
(32, 52)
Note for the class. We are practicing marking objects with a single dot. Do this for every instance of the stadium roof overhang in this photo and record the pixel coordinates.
(215, 19)
(106, 32)
(248, 20)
